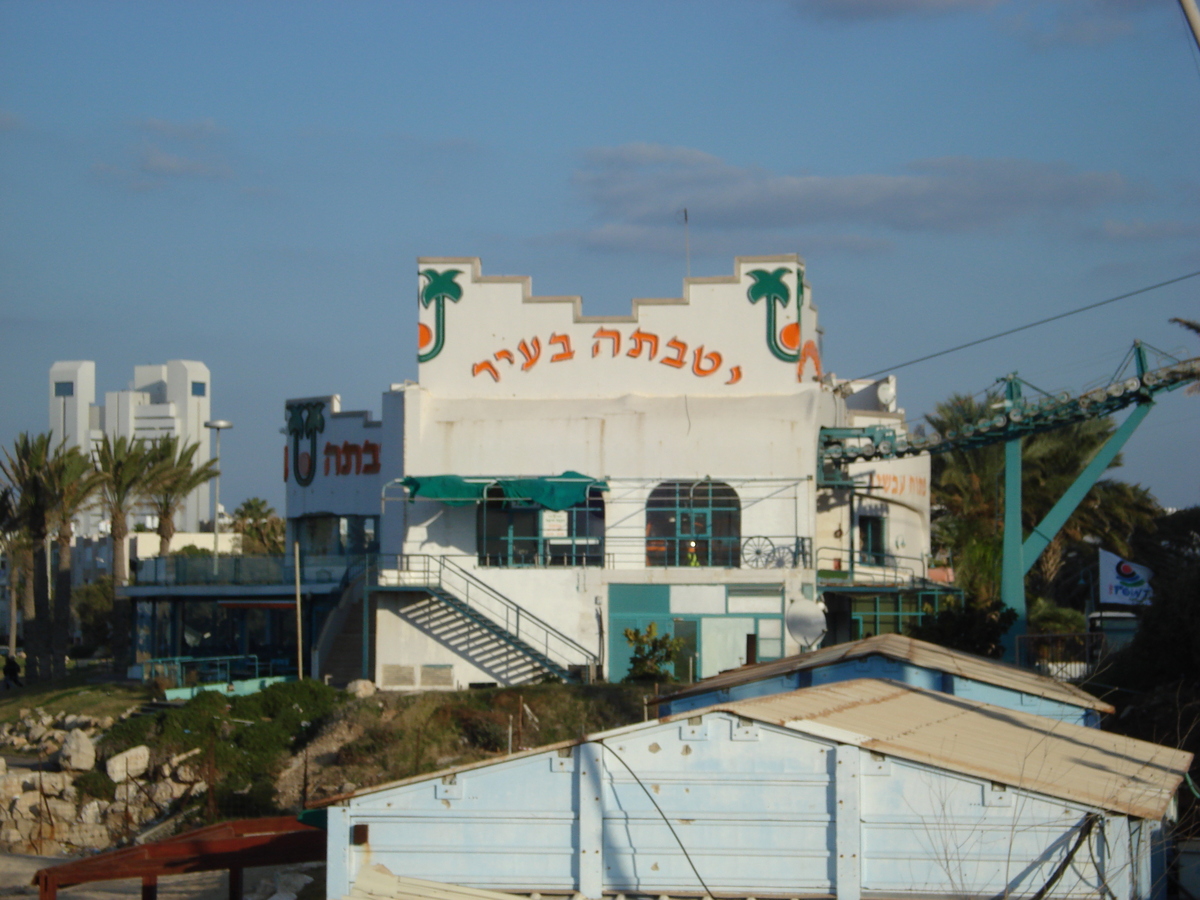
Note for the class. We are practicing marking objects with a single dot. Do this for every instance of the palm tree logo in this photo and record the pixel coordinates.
(439, 287)
(305, 420)
(769, 286)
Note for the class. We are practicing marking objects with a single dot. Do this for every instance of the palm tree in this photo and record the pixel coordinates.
(73, 483)
(8, 546)
(127, 477)
(26, 470)
(176, 477)
(968, 497)
(261, 530)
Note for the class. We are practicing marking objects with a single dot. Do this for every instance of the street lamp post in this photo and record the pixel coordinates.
(217, 425)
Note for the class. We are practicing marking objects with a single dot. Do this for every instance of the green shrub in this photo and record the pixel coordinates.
(96, 784)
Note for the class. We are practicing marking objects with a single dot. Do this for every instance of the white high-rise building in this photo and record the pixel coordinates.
(171, 399)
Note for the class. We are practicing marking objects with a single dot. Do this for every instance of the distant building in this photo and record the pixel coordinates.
(171, 399)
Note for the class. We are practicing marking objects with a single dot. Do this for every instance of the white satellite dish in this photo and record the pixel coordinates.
(805, 621)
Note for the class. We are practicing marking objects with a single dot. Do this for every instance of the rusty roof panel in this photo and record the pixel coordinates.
(1086, 765)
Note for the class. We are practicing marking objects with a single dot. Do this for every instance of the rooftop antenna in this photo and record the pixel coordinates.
(687, 244)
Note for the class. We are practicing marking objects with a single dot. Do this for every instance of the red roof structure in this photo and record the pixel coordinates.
(234, 845)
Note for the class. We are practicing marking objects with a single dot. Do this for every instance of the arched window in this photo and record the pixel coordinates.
(693, 523)
(522, 533)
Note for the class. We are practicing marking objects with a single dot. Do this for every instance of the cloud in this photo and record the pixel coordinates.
(1138, 230)
(648, 184)
(858, 10)
(200, 129)
(155, 161)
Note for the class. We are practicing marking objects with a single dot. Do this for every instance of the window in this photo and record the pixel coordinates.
(871, 547)
(338, 535)
(693, 524)
(199, 389)
(521, 533)
(64, 389)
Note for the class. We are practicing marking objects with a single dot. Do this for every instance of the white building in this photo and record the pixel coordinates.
(554, 479)
(171, 399)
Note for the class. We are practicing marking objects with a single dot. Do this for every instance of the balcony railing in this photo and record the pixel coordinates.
(243, 570)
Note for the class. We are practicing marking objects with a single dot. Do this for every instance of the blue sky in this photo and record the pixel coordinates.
(250, 184)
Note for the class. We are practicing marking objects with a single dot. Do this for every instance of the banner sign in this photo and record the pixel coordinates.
(1123, 582)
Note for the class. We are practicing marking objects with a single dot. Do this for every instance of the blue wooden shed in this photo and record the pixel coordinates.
(898, 658)
(852, 790)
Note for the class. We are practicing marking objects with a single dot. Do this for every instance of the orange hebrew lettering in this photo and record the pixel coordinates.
(334, 451)
(676, 361)
(351, 458)
(485, 366)
(609, 334)
(504, 354)
(370, 451)
(735, 375)
(532, 353)
(564, 341)
(643, 338)
(700, 357)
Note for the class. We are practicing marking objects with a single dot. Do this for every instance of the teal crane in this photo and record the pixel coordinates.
(1022, 414)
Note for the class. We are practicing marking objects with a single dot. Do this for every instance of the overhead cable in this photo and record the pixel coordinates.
(1063, 315)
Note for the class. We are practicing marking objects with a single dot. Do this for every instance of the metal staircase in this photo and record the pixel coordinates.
(480, 623)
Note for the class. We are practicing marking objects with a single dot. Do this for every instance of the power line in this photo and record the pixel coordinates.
(1001, 334)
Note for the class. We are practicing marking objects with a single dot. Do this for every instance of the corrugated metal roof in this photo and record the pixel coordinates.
(919, 653)
(1086, 765)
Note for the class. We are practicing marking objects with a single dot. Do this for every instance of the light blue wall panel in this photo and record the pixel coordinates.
(879, 667)
(1022, 702)
(766, 687)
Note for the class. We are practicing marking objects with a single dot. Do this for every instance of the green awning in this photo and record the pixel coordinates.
(557, 492)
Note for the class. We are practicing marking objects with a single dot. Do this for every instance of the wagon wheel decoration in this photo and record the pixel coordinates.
(758, 552)
(783, 558)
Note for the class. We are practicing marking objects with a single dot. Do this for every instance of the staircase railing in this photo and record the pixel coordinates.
(440, 573)
(352, 593)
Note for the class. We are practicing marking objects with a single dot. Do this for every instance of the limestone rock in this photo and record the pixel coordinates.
(132, 792)
(90, 836)
(360, 687)
(91, 813)
(186, 775)
(3, 766)
(133, 763)
(78, 752)
(23, 805)
(37, 731)
(56, 810)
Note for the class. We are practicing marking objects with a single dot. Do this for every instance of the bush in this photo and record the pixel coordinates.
(96, 784)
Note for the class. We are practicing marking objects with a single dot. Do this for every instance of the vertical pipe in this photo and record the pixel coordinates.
(1012, 578)
(299, 617)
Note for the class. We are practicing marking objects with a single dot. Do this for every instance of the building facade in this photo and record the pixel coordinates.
(553, 479)
(173, 399)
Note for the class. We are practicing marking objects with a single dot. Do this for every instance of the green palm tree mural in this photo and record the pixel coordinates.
(439, 287)
(769, 286)
(305, 420)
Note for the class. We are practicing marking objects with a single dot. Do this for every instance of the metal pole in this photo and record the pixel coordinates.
(217, 506)
(299, 617)
(1012, 575)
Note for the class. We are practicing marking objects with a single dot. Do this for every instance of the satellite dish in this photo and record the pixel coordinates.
(805, 621)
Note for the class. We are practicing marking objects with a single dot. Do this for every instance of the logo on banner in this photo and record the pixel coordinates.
(1123, 582)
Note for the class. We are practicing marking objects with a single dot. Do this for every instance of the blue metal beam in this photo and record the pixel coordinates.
(1045, 531)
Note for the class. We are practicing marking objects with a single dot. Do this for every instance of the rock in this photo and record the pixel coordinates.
(197, 789)
(78, 752)
(52, 784)
(348, 787)
(23, 805)
(131, 792)
(90, 836)
(91, 812)
(133, 763)
(3, 766)
(360, 687)
(180, 757)
(186, 775)
(37, 731)
(164, 793)
(104, 723)
(54, 809)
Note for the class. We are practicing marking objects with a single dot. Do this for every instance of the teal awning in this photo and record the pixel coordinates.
(556, 492)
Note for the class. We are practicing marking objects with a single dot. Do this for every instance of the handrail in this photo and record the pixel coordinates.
(443, 573)
(337, 618)
(858, 571)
